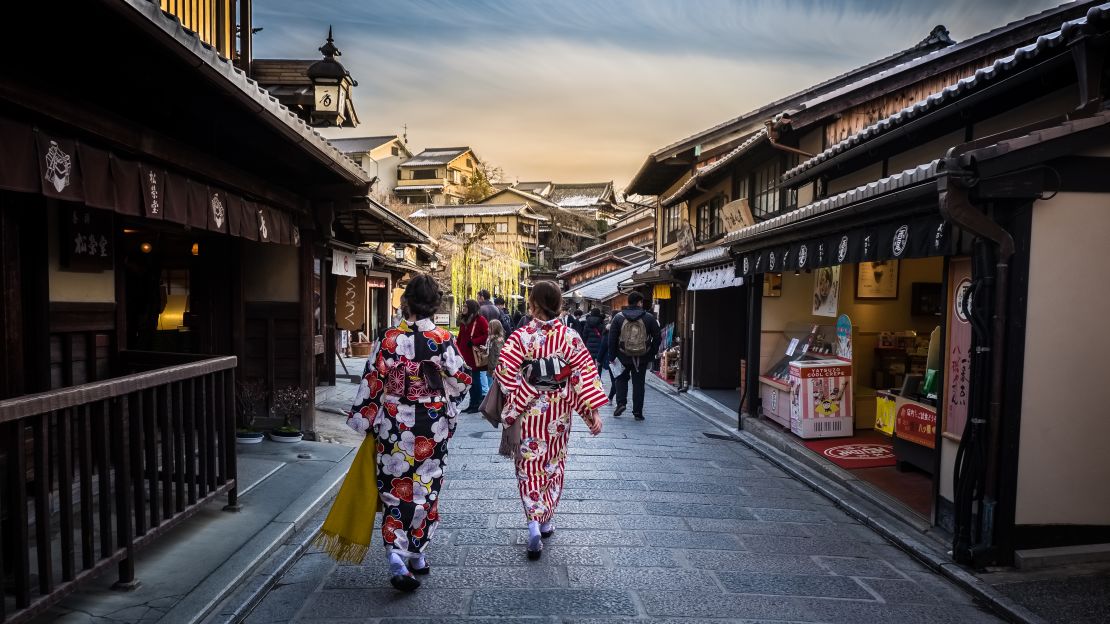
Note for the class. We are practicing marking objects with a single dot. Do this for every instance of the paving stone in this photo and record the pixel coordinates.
(812, 546)
(693, 539)
(281, 603)
(652, 522)
(755, 562)
(653, 579)
(898, 558)
(480, 506)
(577, 537)
(566, 602)
(641, 557)
(515, 555)
(855, 566)
(901, 592)
(694, 487)
(822, 586)
(748, 527)
(466, 620)
(521, 577)
(562, 521)
(464, 521)
(505, 537)
(728, 606)
(859, 612)
(792, 515)
(359, 603)
(599, 507)
(700, 511)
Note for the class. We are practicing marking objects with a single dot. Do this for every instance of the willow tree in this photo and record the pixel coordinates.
(476, 264)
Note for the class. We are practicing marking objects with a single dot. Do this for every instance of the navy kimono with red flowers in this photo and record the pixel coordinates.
(412, 424)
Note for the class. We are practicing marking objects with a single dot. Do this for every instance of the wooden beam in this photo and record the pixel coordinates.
(122, 134)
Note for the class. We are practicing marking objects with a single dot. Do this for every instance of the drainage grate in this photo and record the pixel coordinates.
(719, 436)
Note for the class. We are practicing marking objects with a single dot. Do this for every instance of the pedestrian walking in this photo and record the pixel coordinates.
(409, 401)
(505, 318)
(633, 341)
(473, 333)
(593, 332)
(546, 373)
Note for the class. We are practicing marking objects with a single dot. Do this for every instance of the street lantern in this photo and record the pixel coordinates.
(399, 252)
(434, 264)
(331, 86)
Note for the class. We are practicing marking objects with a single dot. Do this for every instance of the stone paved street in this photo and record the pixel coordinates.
(659, 522)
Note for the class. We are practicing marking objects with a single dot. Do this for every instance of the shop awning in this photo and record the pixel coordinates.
(704, 257)
(890, 219)
(654, 274)
(34, 160)
(368, 221)
(715, 277)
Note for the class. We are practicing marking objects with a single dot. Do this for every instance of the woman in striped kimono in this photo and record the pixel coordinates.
(546, 373)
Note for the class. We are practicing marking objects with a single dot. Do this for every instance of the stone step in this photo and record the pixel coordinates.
(1041, 558)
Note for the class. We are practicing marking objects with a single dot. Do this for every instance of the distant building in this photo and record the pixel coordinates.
(438, 176)
(380, 156)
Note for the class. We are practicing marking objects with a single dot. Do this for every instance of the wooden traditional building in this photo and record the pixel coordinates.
(437, 175)
(164, 234)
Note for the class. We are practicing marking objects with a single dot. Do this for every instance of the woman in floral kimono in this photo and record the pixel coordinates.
(548, 354)
(408, 401)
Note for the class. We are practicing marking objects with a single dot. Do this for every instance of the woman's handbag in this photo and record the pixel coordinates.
(349, 527)
(481, 354)
(493, 404)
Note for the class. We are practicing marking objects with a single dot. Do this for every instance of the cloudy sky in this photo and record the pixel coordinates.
(583, 90)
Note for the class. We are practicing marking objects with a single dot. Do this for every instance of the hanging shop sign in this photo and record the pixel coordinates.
(713, 278)
(343, 263)
(86, 242)
(661, 291)
(920, 237)
(957, 387)
(377, 282)
(350, 303)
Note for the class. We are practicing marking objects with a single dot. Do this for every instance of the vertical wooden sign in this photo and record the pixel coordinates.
(350, 302)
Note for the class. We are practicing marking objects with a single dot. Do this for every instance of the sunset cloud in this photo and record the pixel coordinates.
(577, 90)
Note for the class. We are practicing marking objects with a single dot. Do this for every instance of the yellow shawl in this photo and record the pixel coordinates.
(349, 527)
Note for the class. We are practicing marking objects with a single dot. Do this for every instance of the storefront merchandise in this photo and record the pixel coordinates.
(821, 399)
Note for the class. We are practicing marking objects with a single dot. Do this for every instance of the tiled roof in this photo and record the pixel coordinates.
(739, 151)
(526, 195)
(532, 187)
(607, 286)
(1096, 20)
(435, 156)
(224, 71)
(476, 210)
(360, 145)
(703, 257)
(580, 195)
(281, 71)
(909, 177)
(1064, 129)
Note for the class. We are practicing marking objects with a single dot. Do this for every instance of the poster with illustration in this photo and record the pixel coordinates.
(877, 280)
(826, 291)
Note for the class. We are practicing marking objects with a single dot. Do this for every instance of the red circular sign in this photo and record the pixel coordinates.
(860, 451)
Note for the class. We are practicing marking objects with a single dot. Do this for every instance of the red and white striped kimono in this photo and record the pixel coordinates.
(545, 429)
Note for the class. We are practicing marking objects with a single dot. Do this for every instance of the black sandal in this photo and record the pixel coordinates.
(427, 569)
(547, 534)
(405, 582)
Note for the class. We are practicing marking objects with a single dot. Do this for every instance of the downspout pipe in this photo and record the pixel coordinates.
(957, 207)
(772, 140)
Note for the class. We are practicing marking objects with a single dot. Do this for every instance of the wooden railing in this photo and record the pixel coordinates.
(93, 472)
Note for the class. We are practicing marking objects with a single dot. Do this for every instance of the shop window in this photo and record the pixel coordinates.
(423, 174)
(396, 151)
(527, 229)
(765, 189)
(709, 218)
(502, 227)
(464, 228)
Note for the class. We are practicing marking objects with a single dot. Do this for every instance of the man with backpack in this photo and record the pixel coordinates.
(633, 340)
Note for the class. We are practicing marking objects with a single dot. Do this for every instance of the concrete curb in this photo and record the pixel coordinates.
(224, 583)
(861, 508)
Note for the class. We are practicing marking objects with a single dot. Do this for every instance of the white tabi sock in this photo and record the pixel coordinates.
(397, 565)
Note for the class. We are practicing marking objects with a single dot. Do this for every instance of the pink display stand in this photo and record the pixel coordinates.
(821, 398)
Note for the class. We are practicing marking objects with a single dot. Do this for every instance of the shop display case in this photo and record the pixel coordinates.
(821, 398)
(804, 343)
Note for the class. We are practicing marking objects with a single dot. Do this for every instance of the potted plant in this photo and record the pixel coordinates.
(288, 403)
(250, 394)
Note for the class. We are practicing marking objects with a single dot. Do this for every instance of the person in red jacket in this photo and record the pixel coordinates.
(473, 333)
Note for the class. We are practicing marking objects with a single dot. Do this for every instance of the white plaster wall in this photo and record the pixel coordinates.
(74, 286)
(1064, 453)
(270, 272)
(1044, 107)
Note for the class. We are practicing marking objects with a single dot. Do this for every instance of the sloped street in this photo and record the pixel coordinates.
(662, 520)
